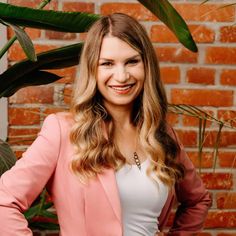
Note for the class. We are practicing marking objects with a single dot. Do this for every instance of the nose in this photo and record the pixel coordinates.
(120, 74)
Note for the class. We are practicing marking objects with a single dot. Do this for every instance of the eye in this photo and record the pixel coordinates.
(133, 61)
(106, 64)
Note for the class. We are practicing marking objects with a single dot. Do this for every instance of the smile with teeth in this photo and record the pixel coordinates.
(122, 88)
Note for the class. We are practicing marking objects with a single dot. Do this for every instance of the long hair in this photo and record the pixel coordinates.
(96, 152)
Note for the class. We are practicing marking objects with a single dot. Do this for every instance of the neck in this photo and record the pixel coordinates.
(121, 116)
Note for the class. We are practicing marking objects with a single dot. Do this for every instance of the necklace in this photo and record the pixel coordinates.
(137, 161)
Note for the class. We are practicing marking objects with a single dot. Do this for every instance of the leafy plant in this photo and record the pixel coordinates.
(7, 157)
(203, 117)
(32, 73)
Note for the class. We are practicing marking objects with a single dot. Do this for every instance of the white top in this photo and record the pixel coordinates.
(141, 198)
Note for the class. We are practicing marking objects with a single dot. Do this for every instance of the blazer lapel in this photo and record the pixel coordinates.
(108, 181)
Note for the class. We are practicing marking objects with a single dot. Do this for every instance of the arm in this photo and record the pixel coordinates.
(194, 200)
(22, 184)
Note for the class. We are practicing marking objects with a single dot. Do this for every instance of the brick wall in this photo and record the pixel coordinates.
(206, 79)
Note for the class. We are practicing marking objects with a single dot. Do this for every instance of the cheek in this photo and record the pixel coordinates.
(102, 76)
(139, 74)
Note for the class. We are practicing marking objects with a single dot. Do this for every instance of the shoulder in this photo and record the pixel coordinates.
(65, 119)
(57, 125)
(61, 119)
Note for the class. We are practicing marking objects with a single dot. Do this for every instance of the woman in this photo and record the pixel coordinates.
(112, 165)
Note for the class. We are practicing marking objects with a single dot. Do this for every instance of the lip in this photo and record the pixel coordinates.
(122, 89)
(121, 85)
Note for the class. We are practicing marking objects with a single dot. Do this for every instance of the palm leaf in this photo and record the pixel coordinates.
(46, 19)
(7, 157)
(171, 18)
(25, 42)
(26, 73)
(31, 79)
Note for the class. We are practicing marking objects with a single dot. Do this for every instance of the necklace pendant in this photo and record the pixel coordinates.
(137, 161)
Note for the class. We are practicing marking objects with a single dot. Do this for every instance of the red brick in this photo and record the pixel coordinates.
(170, 75)
(16, 53)
(205, 12)
(133, 9)
(60, 35)
(201, 75)
(19, 153)
(228, 77)
(227, 139)
(200, 33)
(18, 136)
(162, 34)
(227, 159)
(188, 137)
(53, 5)
(228, 116)
(78, 6)
(221, 55)
(228, 34)
(172, 118)
(179, 55)
(51, 110)
(33, 33)
(38, 94)
(217, 180)
(221, 219)
(67, 95)
(189, 120)
(23, 116)
(226, 200)
(199, 97)
(68, 74)
(206, 162)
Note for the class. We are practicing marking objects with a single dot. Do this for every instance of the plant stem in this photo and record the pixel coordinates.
(196, 112)
(43, 4)
(200, 144)
(216, 146)
(13, 39)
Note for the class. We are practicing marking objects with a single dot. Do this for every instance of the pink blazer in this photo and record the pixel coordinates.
(84, 210)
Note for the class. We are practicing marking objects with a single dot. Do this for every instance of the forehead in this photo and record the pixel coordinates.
(115, 47)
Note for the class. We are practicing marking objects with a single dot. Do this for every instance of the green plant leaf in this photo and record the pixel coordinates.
(48, 214)
(47, 19)
(24, 41)
(31, 79)
(44, 225)
(27, 73)
(12, 39)
(36, 210)
(171, 18)
(7, 157)
(32, 212)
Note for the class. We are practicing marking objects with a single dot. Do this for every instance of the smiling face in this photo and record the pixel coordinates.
(120, 74)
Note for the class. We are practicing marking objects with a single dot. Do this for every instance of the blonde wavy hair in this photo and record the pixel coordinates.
(95, 152)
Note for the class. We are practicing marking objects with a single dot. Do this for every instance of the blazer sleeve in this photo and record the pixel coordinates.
(20, 185)
(194, 200)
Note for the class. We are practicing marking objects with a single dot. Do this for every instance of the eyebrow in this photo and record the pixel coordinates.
(127, 59)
